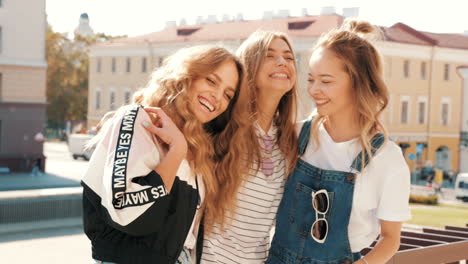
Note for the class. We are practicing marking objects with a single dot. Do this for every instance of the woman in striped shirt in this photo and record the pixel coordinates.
(251, 194)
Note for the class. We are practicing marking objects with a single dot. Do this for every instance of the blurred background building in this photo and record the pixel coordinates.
(23, 69)
(420, 69)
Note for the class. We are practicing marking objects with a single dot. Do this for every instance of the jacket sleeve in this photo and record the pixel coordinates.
(121, 172)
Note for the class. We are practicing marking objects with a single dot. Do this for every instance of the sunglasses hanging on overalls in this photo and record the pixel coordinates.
(320, 203)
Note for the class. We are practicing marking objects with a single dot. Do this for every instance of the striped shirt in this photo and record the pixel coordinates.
(247, 237)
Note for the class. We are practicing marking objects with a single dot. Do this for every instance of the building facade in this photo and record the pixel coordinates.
(420, 69)
(463, 72)
(23, 69)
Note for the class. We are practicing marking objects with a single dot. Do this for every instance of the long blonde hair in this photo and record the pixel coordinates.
(363, 63)
(169, 89)
(242, 152)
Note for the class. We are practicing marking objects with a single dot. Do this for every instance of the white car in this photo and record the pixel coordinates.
(461, 187)
(76, 145)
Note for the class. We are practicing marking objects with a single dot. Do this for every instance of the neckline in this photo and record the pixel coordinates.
(330, 139)
(271, 132)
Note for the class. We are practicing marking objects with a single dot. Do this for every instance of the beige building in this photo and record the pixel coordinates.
(420, 69)
(22, 84)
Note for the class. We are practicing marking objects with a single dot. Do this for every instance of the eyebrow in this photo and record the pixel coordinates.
(323, 75)
(220, 80)
(285, 51)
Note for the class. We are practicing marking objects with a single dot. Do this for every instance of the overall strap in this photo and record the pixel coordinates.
(304, 136)
(376, 143)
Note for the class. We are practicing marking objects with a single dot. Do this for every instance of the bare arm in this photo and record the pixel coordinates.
(168, 132)
(387, 246)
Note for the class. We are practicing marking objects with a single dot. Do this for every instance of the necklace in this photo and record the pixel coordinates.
(267, 165)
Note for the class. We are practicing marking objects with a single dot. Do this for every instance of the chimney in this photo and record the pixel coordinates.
(304, 12)
(240, 17)
(283, 13)
(226, 18)
(268, 15)
(351, 12)
(328, 10)
(170, 24)
(183, 22)
(212, 19)
(200, 20)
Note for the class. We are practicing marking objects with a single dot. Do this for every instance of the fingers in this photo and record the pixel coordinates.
(161, 133)
(158, 111)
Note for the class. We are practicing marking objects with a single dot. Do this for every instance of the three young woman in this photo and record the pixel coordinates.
(351, 183)
(151, 171)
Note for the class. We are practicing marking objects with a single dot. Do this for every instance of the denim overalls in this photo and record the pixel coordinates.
(292, 243)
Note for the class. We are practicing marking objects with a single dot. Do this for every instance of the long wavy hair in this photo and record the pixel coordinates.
(169, 88)
(242, 152)
(351, 43)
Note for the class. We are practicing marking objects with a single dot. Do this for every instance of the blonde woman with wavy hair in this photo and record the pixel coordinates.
(351, 184)
(152, 173)
(262, 150)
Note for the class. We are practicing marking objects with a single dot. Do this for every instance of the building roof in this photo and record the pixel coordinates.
(309, 26)
(295, 27)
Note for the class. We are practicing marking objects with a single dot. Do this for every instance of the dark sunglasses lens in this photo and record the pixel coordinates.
(321, 202)
(319, 229)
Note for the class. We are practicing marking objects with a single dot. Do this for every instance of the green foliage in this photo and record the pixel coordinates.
(67, 75)
(423, 199)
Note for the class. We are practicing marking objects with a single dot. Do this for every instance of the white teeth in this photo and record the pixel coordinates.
(279, 75)
(321, 101)
(207, 104)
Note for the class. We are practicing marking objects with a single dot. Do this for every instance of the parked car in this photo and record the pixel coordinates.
(461, 187)
(76, 145)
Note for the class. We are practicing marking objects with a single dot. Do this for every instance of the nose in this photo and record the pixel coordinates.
(280, 61)
(217, 93)
(313, 88)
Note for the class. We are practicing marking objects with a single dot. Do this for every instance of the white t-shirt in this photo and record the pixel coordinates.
(381, 190)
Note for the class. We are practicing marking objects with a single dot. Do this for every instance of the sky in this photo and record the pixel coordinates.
(137, 17)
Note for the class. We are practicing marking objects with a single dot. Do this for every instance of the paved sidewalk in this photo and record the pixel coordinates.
(57, 246)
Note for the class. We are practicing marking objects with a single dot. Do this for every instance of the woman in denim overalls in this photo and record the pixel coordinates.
(351, 184)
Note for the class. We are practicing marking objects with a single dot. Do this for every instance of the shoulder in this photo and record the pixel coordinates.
(390, 158)
(299, 125)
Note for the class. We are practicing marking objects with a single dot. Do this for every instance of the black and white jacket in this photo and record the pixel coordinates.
(128, 214)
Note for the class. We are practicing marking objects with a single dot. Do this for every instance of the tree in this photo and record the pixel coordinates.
(67, 76)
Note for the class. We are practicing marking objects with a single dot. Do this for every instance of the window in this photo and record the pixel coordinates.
(127, 96)
(143, 64)
(423, 70)
(404, 110)
(406, 69)
(129, 64)
(388, 66)
(98, 99)
(98, 65)
(113, 65)
(422, 110)
(447, 72)
(445, 111)
(112, 105)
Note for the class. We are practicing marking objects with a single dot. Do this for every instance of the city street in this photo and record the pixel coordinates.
(60, 162)
(54, 246)
(70, 245)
